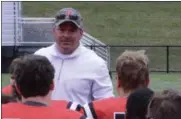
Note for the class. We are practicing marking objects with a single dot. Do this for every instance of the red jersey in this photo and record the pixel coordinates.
(24, 111)
(8, 90)
(109, 108)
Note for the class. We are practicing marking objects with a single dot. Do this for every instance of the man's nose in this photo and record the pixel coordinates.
(66, 34)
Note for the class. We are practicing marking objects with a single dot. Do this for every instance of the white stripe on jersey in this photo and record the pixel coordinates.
(88, 111)
(73, 106)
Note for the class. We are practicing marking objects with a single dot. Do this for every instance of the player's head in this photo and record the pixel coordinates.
(132, 71)
(68, 30)
(165, 105)
(34, 76)
(137, 103)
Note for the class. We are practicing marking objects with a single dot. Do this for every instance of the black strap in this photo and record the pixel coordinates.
(69, 105)
(92, 110)
(84, 112)
(79, 107)
(83, 117)
(32, 103)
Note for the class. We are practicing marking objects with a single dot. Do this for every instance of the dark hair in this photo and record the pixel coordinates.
(34, 76)
(137, 103)
(165, 105)
(16, 63)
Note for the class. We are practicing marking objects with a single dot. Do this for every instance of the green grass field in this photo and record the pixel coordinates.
(159, 81)
(121, 22)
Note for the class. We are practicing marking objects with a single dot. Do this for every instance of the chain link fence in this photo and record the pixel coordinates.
(161, 58)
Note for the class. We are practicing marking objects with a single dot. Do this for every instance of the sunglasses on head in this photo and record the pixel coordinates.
(63, 16)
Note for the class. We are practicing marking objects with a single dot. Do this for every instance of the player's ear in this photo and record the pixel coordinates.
(52, 86)
(118, 84)
(54, 29)
(118, 81)
(17, 89)
(12, 81)
(147, 81)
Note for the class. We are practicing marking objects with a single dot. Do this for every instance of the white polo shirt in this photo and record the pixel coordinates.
(80, 77)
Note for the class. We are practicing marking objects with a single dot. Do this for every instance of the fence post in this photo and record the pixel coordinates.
(91, 47)
(109, 61)
(110, 74)
(109, 57)
(167, 60)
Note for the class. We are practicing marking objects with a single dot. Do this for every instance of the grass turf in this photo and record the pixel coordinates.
(121, 22)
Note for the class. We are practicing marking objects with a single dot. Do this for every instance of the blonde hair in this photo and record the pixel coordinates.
(139, 56)
(132, 69)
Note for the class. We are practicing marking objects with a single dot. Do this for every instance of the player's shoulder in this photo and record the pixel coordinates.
(59, 103)
(100, 104)
(116, 101)
(105, 107)
(98, 108)
(12, 104)
(10, 109)
(105, 100)
(66, 105)
(122, 99)
(7, 90)
(67, 113)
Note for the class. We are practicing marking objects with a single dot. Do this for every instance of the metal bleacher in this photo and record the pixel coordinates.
(11, 12)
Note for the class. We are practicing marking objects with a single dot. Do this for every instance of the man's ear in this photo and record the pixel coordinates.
(81, 31)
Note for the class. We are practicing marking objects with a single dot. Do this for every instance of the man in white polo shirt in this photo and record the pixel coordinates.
(80, 75)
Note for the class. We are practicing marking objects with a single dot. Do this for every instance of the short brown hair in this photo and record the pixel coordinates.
(132, 69)
(165, 105)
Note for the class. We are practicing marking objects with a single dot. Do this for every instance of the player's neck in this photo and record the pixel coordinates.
(44, 100)
(124, 93)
